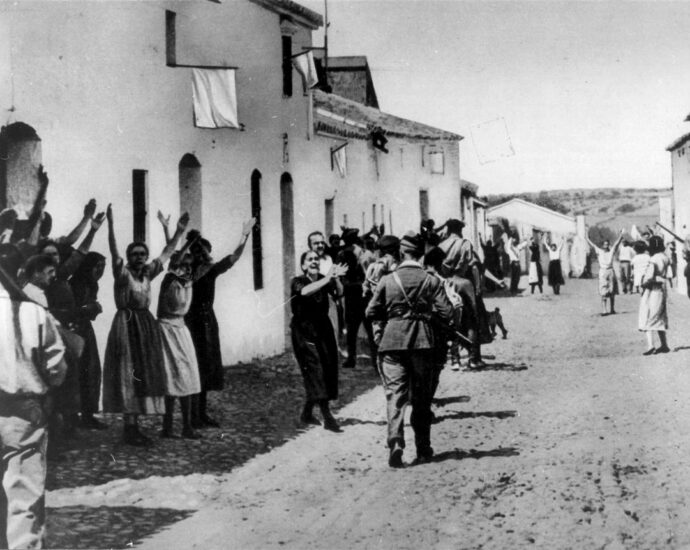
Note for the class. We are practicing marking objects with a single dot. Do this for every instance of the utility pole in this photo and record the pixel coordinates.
(325, 40)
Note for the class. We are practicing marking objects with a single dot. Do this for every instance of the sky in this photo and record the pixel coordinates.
(589, 94)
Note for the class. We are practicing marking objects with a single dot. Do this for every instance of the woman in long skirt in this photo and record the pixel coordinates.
(179, 357)
(555, 273)
(202, 323)
(313, 340)
(133, 372)
(653, 316)
(536, 275)
(85, 289)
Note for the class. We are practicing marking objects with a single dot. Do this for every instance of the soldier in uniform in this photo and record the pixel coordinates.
(401, 308)
(31, 362)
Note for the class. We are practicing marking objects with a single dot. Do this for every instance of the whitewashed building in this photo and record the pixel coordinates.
(107, 89)
(529, 219)
(680, 181)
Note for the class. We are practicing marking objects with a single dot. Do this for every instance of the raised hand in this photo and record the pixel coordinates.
(97, 221)
(338, 270)
(182, 222)
(109, 213)
(42, 176)
(248, 226)
(90, 208)
(163, 219)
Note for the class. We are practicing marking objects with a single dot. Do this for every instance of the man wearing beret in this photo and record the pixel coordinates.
(401, 309)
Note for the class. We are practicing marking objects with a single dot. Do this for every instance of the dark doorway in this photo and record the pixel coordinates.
(287, 224)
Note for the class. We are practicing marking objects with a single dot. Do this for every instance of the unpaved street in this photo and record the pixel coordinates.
(571, 439)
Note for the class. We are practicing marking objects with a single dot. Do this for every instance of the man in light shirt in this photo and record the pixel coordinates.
(625, 256)
(40, 271)
(31, 362)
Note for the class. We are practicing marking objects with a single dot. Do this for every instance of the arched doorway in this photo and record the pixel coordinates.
(20, 158)
(287, 225)
(189, 170)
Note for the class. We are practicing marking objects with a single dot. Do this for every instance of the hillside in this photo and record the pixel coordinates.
(609, 206)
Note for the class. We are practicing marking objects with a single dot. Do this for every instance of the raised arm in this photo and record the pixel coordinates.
(89, 211)
(172, 245)
(590, 243)
(88, 240)
(336, 270)
(165, 221)
(618, 242)
(112, 243)
(37, 213)
(229, 260)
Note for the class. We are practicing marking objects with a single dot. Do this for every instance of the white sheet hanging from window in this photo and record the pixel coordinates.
(340, 161)
(215, 98)
(304, 63)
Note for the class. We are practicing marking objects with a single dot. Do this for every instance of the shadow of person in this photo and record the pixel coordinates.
(442, 401)
(356, 421)
(681, 348)
(459, 454)
(461, 415)
(510, 367)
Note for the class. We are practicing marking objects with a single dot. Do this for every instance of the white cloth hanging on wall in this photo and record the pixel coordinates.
(304, 63)
(215, 98)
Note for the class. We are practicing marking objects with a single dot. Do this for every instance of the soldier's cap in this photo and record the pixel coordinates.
(412, 242)
(453, 224)
(388, 244)
(349, 235)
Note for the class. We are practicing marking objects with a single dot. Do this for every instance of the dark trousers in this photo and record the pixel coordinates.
(408, 377)
(514, 276)
(355, 306)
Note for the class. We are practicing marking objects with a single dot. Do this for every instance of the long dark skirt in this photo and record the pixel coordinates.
(89, 370)
(203, 327)
(555, 273)
(133, 372)
(317, 356)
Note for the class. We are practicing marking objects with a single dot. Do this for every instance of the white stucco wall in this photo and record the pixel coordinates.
(95, 86)
(680, 173)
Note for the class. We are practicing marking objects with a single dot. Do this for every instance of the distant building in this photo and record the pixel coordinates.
(680, 181)
(473, 213)
(529, 219)
(350, 77)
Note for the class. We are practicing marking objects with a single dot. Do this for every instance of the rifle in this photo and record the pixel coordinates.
(670, 232)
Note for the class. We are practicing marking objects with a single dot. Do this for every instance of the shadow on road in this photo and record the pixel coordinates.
(459, 454)
(442, 401)
(471, 414)
(510, 367)
(681, 348)
(356, 421)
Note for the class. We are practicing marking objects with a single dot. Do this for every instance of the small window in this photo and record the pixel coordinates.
(170, 41)
(257, 247)
(287, 66)
(139, 204)
(437, 161)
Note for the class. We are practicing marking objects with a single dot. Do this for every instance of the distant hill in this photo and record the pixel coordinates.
(607, 206)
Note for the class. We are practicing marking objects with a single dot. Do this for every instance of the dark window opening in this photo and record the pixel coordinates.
(190, 189)
(424, 204)
(139, 206)
(170, 45)
(287, 66)
(330, 222)
(257, 248)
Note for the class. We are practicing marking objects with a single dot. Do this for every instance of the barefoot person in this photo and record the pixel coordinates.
(653, 316)
(133, 373)
(202, 322)
(313, 340)
(608, 284)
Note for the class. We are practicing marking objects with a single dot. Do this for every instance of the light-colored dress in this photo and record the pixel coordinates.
(133, 373)
(179, 357)
(639, 266)
(653, 314)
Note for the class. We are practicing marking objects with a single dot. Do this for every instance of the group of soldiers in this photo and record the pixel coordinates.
(414, 296)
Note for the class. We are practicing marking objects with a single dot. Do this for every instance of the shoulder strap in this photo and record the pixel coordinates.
(396, 278)
(412, 306)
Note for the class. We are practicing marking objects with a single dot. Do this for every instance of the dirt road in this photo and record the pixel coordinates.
(570, 439)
